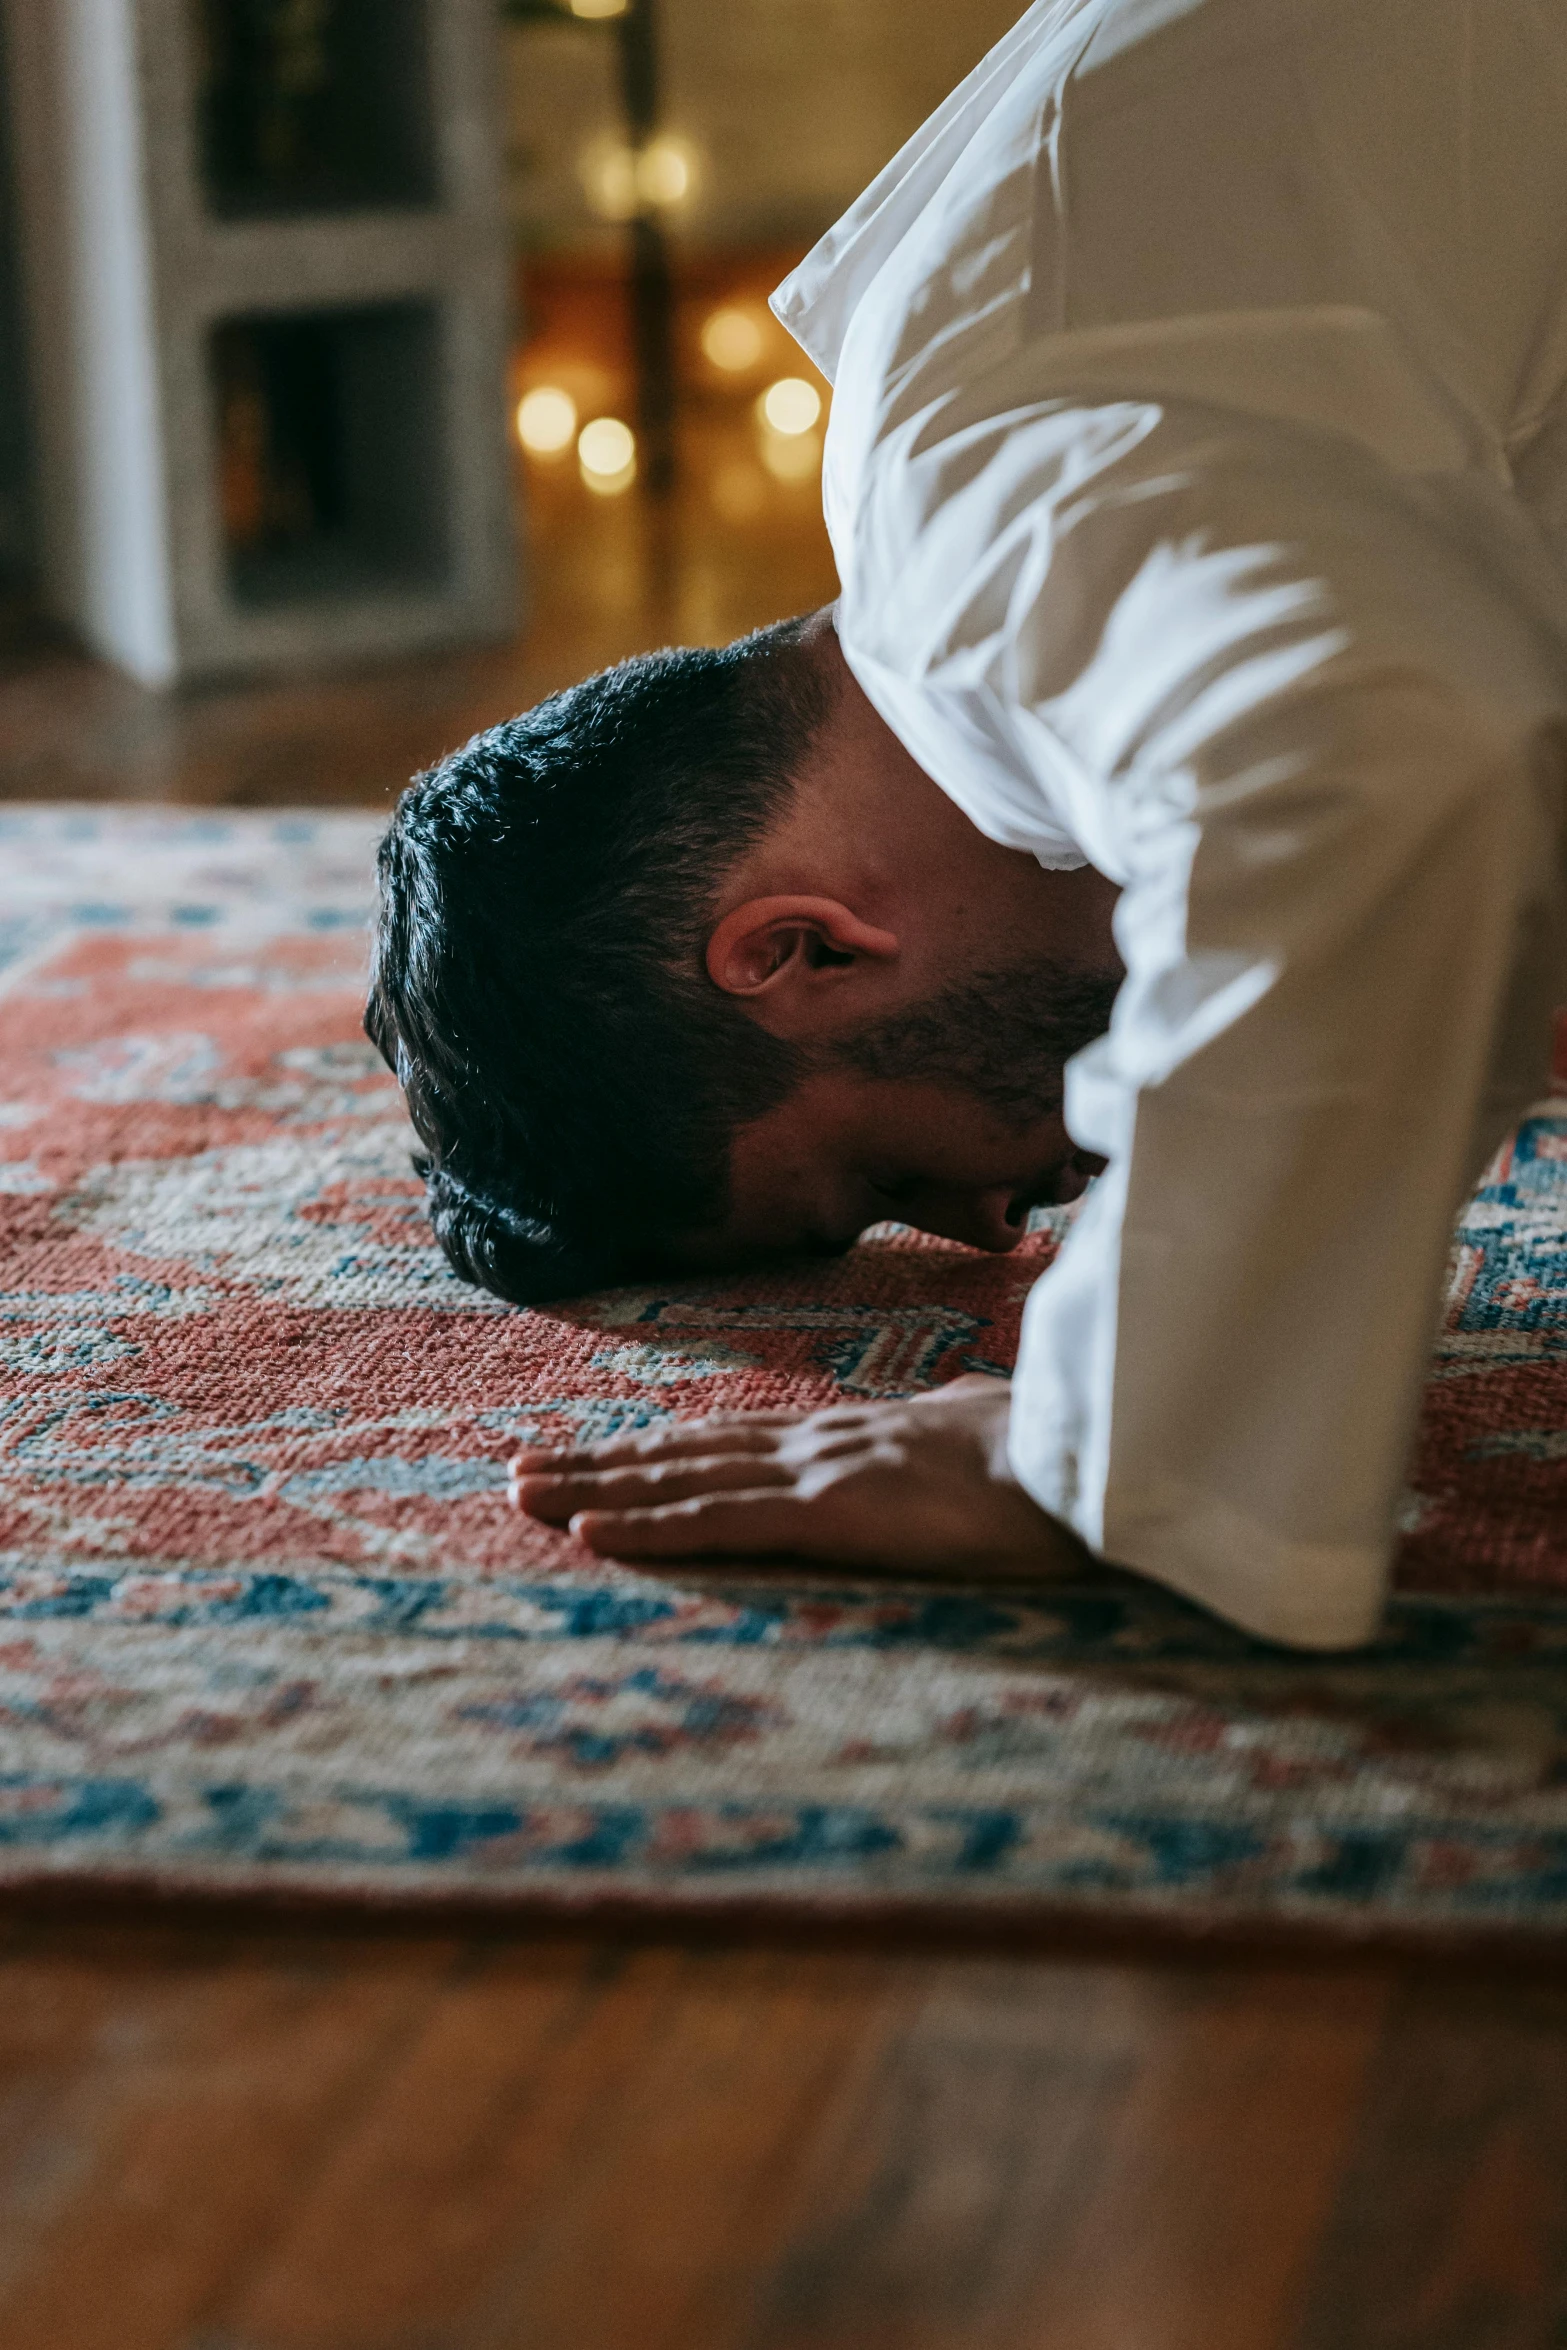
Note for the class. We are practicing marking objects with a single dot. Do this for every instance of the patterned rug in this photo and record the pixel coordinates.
(268, 1625)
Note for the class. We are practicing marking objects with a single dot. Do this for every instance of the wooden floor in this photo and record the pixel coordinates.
(215, 2137)
(277, 2140)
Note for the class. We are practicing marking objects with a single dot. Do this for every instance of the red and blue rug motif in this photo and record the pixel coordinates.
(266, 1624)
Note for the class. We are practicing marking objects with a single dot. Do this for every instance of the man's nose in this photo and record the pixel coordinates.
(980, 1219)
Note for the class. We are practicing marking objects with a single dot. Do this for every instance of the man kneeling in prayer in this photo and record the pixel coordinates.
(1172, 802)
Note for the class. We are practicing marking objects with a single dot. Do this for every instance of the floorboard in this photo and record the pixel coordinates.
(1449, 2224)
(268, 2140)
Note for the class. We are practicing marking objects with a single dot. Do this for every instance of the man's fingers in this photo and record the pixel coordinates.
(719, 1432)
(557, 1498)
(739, 1420)
(758, 1524)
(731, 1432)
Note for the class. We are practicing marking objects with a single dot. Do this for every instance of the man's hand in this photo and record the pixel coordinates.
(897, 1486)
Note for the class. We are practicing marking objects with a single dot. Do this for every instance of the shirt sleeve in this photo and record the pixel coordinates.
(1297, 708)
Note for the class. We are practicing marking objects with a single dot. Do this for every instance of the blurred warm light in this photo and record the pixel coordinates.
(607, 454)
(609, 176)
(731, 339)
(606, 445)
(620, 180)
(547, 421)
(665, 170)
(599, 7)
(791, 456)
(791, 405)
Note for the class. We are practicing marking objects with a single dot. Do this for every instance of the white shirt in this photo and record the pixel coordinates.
(1197, 475)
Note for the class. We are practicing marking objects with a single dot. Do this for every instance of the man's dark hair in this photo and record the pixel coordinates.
(538, 983)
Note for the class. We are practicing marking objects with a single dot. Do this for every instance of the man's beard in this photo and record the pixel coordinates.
(1004, 1036)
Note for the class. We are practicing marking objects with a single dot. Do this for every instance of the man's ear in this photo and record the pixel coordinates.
(792, 950)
